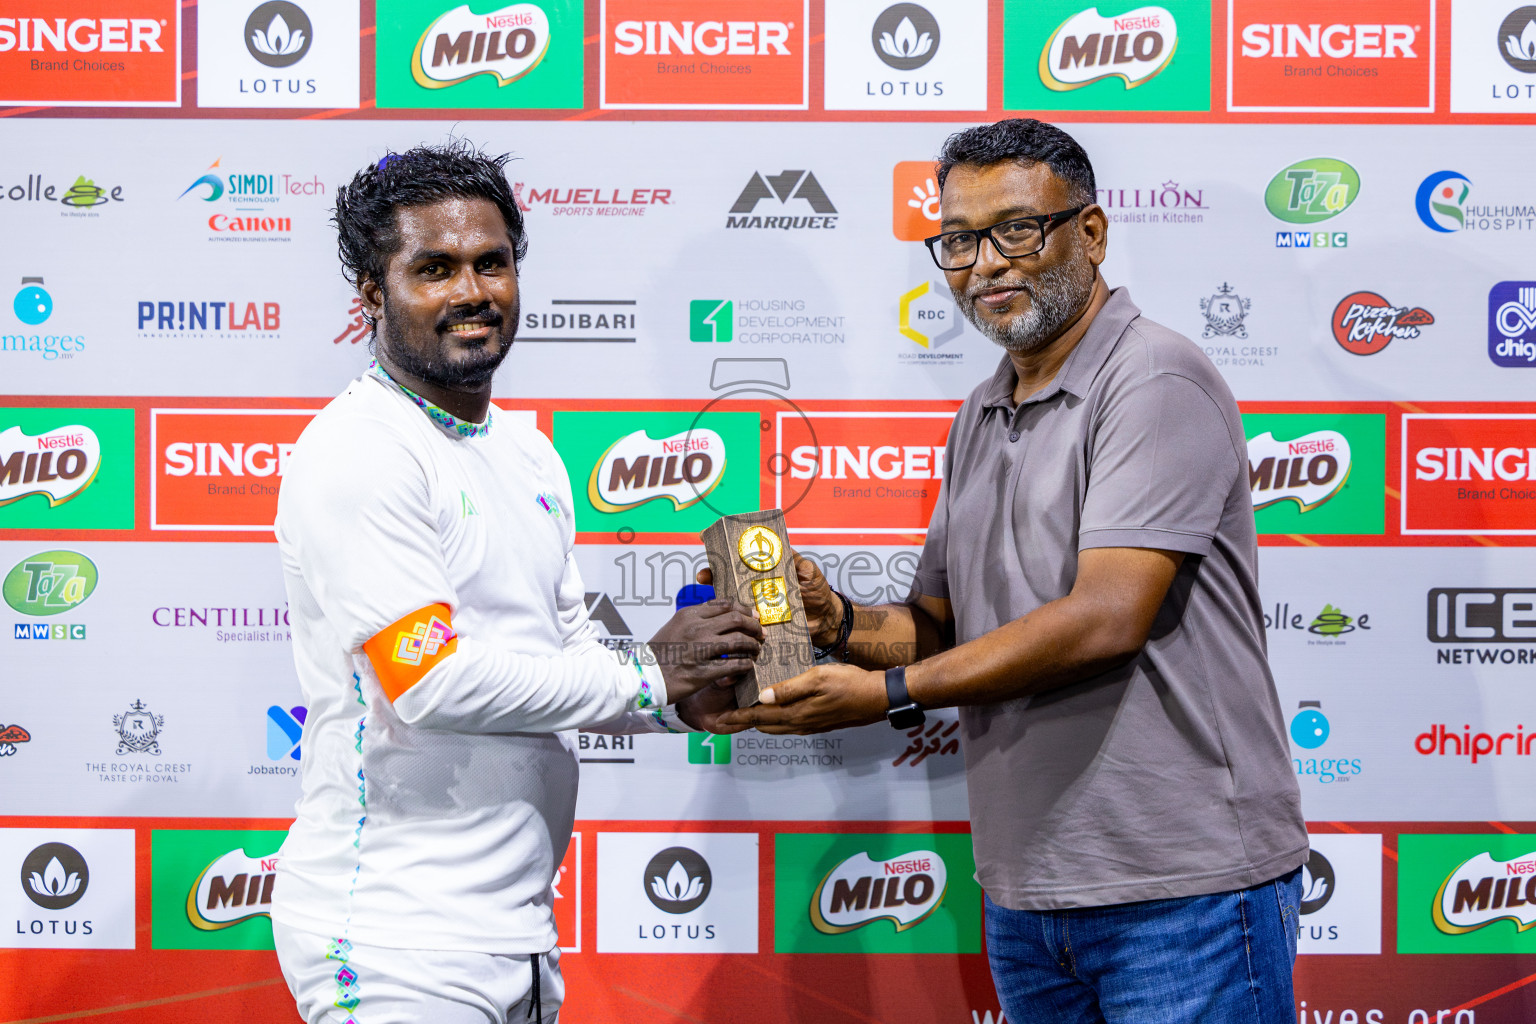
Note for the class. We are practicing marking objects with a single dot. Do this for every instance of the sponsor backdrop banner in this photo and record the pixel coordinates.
(726, 306)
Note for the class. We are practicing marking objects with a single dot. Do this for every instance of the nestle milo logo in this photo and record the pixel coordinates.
(58, 463)
(1483, 890)
(1307, 470)
(637, 468)
(49, 583)
(234, 888)
(1312, 190)
(860, 890)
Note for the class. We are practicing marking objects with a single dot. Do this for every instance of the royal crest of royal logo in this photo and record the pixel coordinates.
(1224, 312)
(138, 730)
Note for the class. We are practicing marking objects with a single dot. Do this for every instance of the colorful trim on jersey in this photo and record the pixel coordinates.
(442, 417)
(347, 994)
(645, 697)
(410, 647)
(549, 503)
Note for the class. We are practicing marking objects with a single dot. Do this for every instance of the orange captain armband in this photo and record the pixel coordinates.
(405, 650)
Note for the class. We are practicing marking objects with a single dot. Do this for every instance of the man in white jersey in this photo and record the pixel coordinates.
(440, 634)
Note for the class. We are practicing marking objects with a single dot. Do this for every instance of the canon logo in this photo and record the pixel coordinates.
(82, 35)
(886, 462)
(1475, 464)
(709, 38)
(1338, 41)
(210, 458)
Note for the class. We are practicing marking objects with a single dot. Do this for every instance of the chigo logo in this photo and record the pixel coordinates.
(903, 890)
(234, 888)
(1307, 470)
(506, 44)
(1484, 890)
(1087, 47)
(59, 463)
(638, 468)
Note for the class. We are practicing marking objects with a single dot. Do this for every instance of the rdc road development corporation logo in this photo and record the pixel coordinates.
(64, 55)
(68, 888)
(906, 56)
(1468, 474)
(277, 54)
(1512, 323)
(212, 889)
(1364, 323)
(810, 208)
(1493, 57)
(1441, 200)
(33, 305)
(1317, 473)
(1310, 730)
(1466, 893)
(927, 316)
(1309, 192)
(686, 893)
(1311, 55)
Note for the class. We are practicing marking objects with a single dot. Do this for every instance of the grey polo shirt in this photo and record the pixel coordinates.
(1167, 777)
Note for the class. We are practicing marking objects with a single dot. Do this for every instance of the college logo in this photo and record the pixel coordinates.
(1512, 323)
(1317, 473)
(860, 891)
(1310, 191)
(505, 44)
(875, 473)
(49, 583)
(1441, 199)
(1089, 47)
(1364, 323)
(58, 464)
(784, 186)
(212, 889)
(677, 880)
(1225, 312)
(234, 888)
(1307, 470)
(1468, 473)
(79, 200)
(1301, 55)
(72, 58)
(914, 200)
(703, 54)
(637, 468)
(219, 469)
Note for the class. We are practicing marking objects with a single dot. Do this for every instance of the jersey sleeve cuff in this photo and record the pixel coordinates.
(650, 686)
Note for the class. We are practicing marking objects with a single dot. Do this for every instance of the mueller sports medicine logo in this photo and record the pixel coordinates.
(591, 202)
(1088, 47)
(798, 185)
(1315, 55)
(58, 463)
(1483, 890)
(71, 57)
(638, 468)
(234, 888)
(1307, 470)
(1364, 323)
(1512, 323)
(859, 891)
(505, 44)
(1468, 473)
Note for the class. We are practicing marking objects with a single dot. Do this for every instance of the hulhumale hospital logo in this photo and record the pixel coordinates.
(1441, 201)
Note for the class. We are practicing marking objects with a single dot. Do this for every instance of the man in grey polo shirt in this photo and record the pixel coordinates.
(1088, 597)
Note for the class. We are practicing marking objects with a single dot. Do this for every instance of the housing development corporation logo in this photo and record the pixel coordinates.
(64, 54)
(1364, 323)
(798, 185)
(1512, 323)
(1468, 473)
(1089, 47)
(1441, 199)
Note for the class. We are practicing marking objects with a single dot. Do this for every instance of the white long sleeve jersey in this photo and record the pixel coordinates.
(442, 643)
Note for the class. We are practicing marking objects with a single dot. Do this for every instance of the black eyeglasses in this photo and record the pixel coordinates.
(1021, 236)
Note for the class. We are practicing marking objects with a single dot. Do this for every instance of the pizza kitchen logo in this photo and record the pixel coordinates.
(1364, 323)
(904, 890)
(638, 468)
(1307, 470)
(505, 44)
(1088, 47)
(59, 463)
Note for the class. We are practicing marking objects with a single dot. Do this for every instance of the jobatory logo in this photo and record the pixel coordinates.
(800, 186)
(64, 468)
(1311, 191)
(1312, 55)
(285, 728)
(1512, 323)
(1468, 473)
(903, 890)
(1317, 473)
(1088, 47)
(704, 55)
(1466, 893)
(49, 583)
(914, 200)
(1493, 57)
(219, 469)
(212, 889)
(905, 56)
(1364, 323)
(72, 57)
(1441, 199)
(276, 53)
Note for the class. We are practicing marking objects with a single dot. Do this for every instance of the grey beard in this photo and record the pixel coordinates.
(1056, 295)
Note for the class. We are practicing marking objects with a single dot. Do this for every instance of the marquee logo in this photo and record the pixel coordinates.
(1468, 473)
(1512, 323)
(638, 468)
(1314, 190)
(49, 583)
(1314, 55)
(1441, 199)
(235, 887)
(69, 56)
(784, 186)
(1088, 47)
(1307, 470)
(859, 891)
(1364, 323)
(1483, 890)
(505, 44)
(58, 464)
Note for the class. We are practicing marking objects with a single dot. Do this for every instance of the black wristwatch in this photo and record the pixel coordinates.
(904, 712)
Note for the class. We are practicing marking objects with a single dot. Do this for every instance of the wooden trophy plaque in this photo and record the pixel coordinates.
(749, 557)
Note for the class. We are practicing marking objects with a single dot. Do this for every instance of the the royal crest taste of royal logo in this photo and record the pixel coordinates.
(138, 730)
(1224, 313)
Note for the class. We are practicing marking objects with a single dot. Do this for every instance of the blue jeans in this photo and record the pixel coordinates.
(1219, 959)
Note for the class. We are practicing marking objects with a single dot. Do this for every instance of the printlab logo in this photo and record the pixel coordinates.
(1512, 323)
(1088, 47)
(1317, 883)
(32, 305)
(285, 727)
(1441, 201)
(798, 185)
(1225, 312)
(678, 880)
(1364, 323)
(55, 876)
(138, 730)
(905, 36)
(278, 34)
(12, 734)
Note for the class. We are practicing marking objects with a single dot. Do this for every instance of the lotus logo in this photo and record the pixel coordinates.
(58, 463)
(677, 880)
(905, 36)
(903, 890)
(1307, 470)
(1088, 47)
(1317, 883)
(1517, 39)
(1484, 890)
(234, 888)
(278, 34)
(506, 44)
(54, 876)
(638, 468)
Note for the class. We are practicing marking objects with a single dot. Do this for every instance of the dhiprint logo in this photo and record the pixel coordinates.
(505, 44)
(677, 880)
(1441, 199)
(284, 730)
(1512, 323)
(1364, 323)
(905, 36)
(55, 876)
(278, 34)
(1088, 47)
(903, 890)
(784, 186)
(1314, 190)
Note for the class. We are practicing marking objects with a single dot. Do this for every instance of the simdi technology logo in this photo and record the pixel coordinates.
(212, 889)
(1076, 55)
(485, 55)
(64, 53)
(64, 468)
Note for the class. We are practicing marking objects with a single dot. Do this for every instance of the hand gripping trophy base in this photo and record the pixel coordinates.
(750, 560)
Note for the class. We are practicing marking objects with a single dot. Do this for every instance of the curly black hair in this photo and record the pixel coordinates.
(1025, 140)
(366, 225)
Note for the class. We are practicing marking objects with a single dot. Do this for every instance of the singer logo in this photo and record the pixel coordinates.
(860, 891)
(62, 54)
(505, 44)
(1313, 55)
(57, 464)
(705, 55)
(1468, 473)
(1088, 47)
(219, 469)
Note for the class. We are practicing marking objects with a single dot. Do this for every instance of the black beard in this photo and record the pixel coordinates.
(470, 374)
